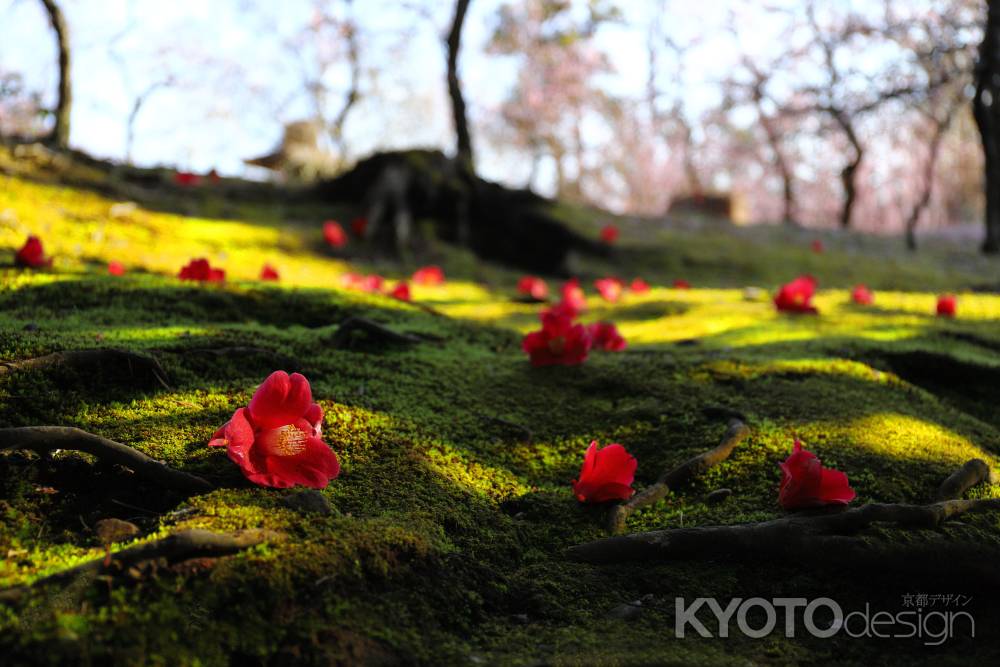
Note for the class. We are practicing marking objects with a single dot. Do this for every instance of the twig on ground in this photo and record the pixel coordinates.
(47, 438)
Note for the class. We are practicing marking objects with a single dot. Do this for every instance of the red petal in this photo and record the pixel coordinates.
(314, 467)
(280, 400)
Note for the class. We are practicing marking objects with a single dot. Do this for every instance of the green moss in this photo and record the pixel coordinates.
(453, 507)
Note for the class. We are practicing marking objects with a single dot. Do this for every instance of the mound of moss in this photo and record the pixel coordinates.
(449, 521)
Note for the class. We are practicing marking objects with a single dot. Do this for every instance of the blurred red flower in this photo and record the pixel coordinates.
(558, 342)
(116, 268)
(534, 287)
(428, 275)
(605, 336)
(606, 474)
(609, 234)
(680, 283)
(269, 273)
(796, 296)
(862, 296)
(401, 291)
(359, 226)
(946, 305)
(32, 254)
(609, 288)
(200, 270)
(277, 439)
(334, 234)
(573, 295)
(817, 247)
(639, 286)
(806, 483)
(186, 179)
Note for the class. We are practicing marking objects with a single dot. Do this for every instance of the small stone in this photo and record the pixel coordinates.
(306, 502)
(521, 618)
(114, 530)
(754, 294)
(31, 326)
(627, 611)
(718, 496)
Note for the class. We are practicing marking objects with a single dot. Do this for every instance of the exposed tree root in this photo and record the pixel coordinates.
(46, 438)
(819, 539)
(180, 546)
(675, 477)
(136, 365)
(344, 338)
(973, 472)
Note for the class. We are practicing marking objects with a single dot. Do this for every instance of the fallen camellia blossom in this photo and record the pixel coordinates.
(428, 275)
(372, 283)
(610, 289)
(277, 439)
(186, 179)
(573, 295)
(605, 336)
(606, 474)
(534, 287)
(116, 268)
(200, 270)
(817, 247)
(862, 296)
(32, 254)
(359, 226)
(401, 291)
(609, 234)
(334, 234)
(269, 273)
(558, 342)
(639, 286)
(796, 296)
(946, 305)
(806, 483)
(680, 283)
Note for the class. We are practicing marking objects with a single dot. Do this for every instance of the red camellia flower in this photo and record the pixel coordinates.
(610, 289)
(334, 234)
(269, 273)
(186, 179)
(817, 247)
(609, 234)
(946, 305)
(401, 291)
(806, 483)
(277, 439)
(200, 270)
(534, 287)
(639, 286)
(559, 342)
(116, 268)
(606, 474)
(605, 337)
(359, 226)
(32, 254)
(214, 177)
(573, 296)
(862, 296)
(796, 296)
(428, 275)
(680, 283)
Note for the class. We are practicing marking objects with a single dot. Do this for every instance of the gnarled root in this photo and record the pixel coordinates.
(675, 477)
(136, 365)
(46, 438)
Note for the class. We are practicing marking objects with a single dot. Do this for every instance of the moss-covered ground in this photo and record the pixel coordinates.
(454, 505)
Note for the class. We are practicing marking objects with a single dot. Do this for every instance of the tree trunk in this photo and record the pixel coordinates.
(64, 100)
(464, 141)
(848, 175)
(986, 109)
